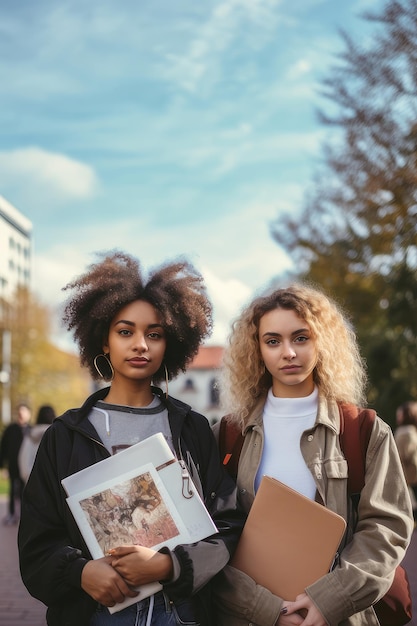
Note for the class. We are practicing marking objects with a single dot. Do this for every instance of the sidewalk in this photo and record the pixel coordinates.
(18, 608)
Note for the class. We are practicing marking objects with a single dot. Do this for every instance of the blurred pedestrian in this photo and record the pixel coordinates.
(31, 440)
(406, 440)
(9, 451)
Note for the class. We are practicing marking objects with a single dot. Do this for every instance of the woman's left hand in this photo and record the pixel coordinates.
(306, 607)
(139, 565)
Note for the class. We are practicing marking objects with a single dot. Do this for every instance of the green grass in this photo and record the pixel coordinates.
(4, 484)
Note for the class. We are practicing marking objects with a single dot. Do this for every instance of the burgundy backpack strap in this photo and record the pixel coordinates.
(355, 431)
(230, 445)
(395, 608)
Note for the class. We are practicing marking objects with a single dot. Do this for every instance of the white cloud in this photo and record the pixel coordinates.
(58, 267)
(226, 23)
(227, 295)
(57, 173)
(198, 116)
(54, 269)
(299, 69)
(234, 252)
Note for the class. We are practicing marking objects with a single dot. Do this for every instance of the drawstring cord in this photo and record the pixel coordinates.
(150, 611)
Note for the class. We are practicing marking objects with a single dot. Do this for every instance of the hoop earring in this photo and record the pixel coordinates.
(166, 380)
(108, 365)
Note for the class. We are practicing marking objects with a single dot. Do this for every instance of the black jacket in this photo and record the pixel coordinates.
(51, 549)
(10, 445)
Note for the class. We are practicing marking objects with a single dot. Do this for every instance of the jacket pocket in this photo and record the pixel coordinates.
(335, 483)
(336, 468)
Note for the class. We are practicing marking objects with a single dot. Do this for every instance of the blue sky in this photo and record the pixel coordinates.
(164, 127)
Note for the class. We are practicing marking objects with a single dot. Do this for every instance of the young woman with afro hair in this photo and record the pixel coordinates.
(134, 333)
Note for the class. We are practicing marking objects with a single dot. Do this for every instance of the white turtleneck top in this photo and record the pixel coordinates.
(284, 420)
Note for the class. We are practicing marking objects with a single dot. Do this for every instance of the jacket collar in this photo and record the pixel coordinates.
(255, 416)
(177, 412)
(328, 414)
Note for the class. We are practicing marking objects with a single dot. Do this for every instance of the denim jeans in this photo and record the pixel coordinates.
(157, 612)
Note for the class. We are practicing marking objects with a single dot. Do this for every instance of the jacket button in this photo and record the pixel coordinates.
(310, 438)
(213, 495)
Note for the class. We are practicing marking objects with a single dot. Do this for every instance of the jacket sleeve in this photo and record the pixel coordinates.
(200, 562)
(240, 600)
(51, 555)
(381, 536)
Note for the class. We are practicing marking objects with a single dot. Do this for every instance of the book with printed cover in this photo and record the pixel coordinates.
(141, 496)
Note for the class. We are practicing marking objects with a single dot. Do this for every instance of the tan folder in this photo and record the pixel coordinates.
(288, 541)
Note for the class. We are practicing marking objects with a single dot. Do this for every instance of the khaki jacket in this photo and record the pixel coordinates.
(367, 559)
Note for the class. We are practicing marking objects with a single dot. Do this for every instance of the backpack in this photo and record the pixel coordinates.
(395, 608)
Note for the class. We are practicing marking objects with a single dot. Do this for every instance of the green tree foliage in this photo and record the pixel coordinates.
(40, 372)
(356, 234)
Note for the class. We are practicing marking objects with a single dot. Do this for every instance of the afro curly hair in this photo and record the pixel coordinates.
(175, 289)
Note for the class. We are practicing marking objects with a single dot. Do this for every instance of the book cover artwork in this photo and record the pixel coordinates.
(132, 509)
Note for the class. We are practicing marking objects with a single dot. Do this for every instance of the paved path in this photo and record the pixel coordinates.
(18, 608)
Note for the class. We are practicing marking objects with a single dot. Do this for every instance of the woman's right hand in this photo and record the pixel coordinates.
(101, 581)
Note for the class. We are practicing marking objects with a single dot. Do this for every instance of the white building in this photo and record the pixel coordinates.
(15, 249)
(15, 271)
(198, 385)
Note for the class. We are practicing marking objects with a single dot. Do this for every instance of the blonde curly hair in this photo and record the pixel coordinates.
(339, 373)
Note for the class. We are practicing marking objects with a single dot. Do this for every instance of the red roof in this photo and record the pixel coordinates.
(207, 358)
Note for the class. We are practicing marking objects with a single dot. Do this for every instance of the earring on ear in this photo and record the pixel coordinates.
(107, 364)
(166, 380)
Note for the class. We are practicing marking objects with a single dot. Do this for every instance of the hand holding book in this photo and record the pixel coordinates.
(296, 612)
(103, 583)
(139, 565)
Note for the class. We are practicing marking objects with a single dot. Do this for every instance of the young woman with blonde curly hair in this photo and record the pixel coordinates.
(133, 332)
(291, 360)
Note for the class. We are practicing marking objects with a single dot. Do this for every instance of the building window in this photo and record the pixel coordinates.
(214, 393)
(189, 385)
